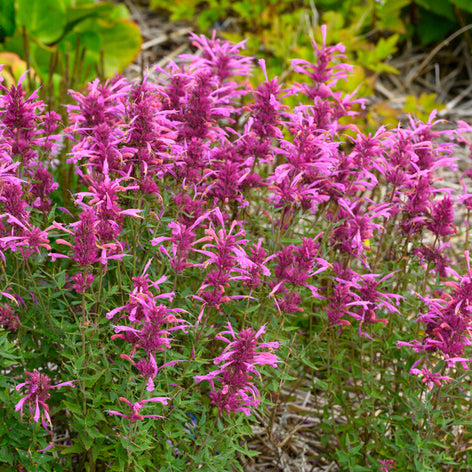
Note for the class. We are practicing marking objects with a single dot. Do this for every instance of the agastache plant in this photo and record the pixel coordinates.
(448, 323)
(250, 253)
(38, 386)
(136, 407)
(232, 385)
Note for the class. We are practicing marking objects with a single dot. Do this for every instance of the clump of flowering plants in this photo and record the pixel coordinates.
(219, 254)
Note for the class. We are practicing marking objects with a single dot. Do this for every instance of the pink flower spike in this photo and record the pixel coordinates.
(135, 407)
(262, 65)
(38, 386)
(131, 212)
(163, 400)
(113, 312)
(231, 384)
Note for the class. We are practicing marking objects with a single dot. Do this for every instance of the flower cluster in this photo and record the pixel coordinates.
(38, 386)
(232, 385)
(135, 407)
(448, 324)
(27, 148)
(151, 324)
(8, 318)
(295, 265)
(194, 204)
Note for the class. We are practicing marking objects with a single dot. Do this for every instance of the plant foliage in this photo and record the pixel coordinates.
(69, 37)
(201, 254)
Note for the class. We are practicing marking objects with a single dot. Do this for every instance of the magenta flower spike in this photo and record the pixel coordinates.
(85, 232)
(429, 377)
(239, 359)
(20, 117)
(435, 256)
(102, 104)
(442, 218)
(136, 407)
(448, 322)
(220, 56)
(241, 350)
(38, 386)
(386, 465)
(8, 318)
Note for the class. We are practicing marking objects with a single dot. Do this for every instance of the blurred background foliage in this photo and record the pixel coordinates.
(65, 43)
(371, 30)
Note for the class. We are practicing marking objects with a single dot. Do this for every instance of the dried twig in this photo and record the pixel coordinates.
(416, 72)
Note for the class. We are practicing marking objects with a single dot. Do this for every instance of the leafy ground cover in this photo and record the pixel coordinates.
(199, 274)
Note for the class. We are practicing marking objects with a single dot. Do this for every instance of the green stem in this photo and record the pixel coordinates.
(194, 345)
(132, 433)
(40, 298)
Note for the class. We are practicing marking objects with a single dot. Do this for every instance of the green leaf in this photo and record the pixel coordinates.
(120, 12)
(244, 450)
(389, 15)
(91, 380)
(433, 27)
(7, 455)
(61, 279)
(253, 308)
(465, 5)
(74, 408)
(74, 449)
(8, 352)
(287, 377)
(442, 8)
(7, 19)
(78, 13)
(321, 385)
(121, 42)
(94, 433)
(87, 441)
(44, 19)
(386, 47)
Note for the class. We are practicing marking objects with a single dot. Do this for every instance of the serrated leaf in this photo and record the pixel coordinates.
(87, 441)
(91, 380)
(94, 433)
(386, 47)
(74, 449)
(73, 408)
